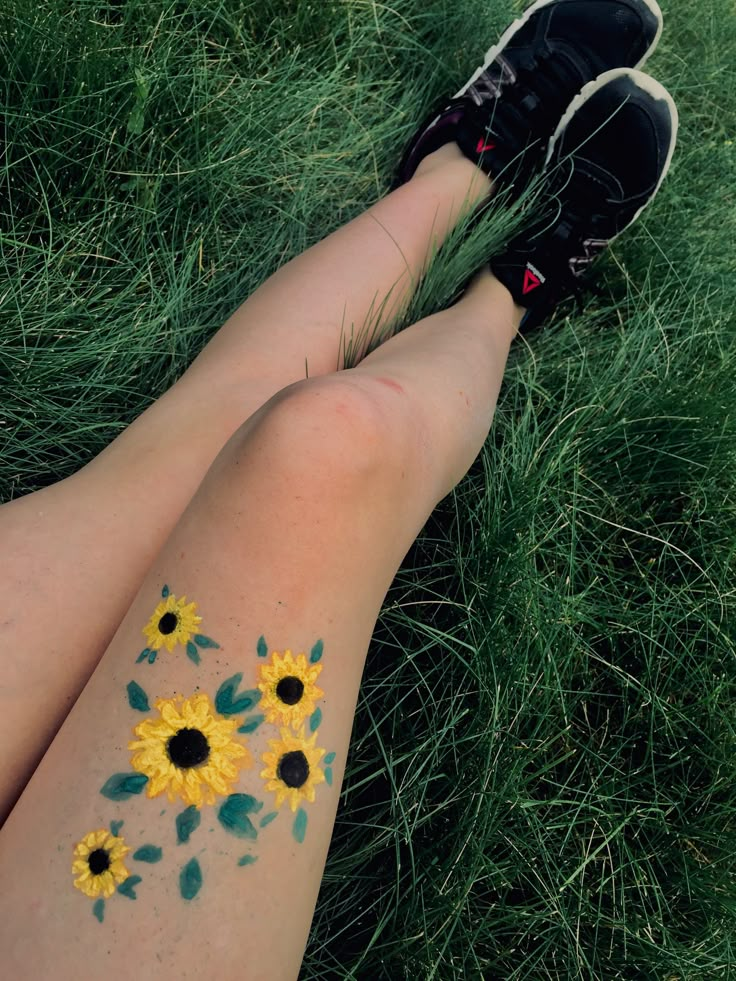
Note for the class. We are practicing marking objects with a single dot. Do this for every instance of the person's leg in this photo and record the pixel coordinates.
(75, 553)
(290, 543)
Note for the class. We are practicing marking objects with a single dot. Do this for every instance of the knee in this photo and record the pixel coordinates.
(336, 429)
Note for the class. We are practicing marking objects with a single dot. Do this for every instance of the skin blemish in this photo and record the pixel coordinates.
(390, 383)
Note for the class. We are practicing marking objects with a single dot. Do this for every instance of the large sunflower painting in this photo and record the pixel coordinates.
(189, 753)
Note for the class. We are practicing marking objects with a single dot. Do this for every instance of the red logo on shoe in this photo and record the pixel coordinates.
(484, 146)
(531, 281)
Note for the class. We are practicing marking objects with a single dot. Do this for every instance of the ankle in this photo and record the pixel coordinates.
(485, 292)
(448, 154)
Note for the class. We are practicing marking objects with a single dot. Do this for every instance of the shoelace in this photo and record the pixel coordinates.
(542, 85)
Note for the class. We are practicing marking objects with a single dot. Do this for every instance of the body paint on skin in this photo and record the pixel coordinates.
(189, 749)
(289, 690)
(174, 621)
(186, 823)
(190, 879)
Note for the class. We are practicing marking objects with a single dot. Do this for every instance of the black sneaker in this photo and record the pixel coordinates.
(503, 118)
(607, 160)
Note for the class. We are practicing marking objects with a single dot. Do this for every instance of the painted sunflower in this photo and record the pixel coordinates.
(98, 864)
(292, 768)
(188, 753)
(174, 621)
(289, 689)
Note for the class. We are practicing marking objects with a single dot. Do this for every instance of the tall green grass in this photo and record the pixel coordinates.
(541, 780)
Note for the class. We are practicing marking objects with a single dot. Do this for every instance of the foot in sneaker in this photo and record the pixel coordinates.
(503, 118)
(606, 161)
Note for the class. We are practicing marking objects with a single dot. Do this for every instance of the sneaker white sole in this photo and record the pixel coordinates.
(650, 85)
(493, 52)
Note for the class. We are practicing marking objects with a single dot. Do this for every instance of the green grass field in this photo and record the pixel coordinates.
(541, 782)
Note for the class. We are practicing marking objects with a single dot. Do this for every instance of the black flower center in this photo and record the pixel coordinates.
(98, 861)
(293, 769)
(188, 748)
(290, 689)
(167, 623)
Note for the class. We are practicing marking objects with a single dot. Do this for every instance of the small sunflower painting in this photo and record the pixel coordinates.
(189, 752)
(174, 622)
(292, 768)
(98, 864)
(288, 687)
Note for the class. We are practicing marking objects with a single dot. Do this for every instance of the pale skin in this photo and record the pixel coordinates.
(287, 516)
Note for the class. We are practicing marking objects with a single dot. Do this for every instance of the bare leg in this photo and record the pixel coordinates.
(75, 553)
(293, 536)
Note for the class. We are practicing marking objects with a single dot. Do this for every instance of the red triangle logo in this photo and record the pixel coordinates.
(484, 146)
(531, 282)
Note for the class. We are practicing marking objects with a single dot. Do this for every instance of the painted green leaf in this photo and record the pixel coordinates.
(192, 652)
(137, 698)
(314, 719)
(121, 786)
(115, 827)
(330, 758)
(186, 823)
(99, 909)
(251, 724)
(316, 652)
(233, 815)
(247, 860)
(152, 655)
(328, 775)
(228, 703)
(143, 655)
(300, 825)
(148, 853)
(262, 647)
(190, 879)
(165, 592)
(127, 888)
(202, 641)
(269, 818)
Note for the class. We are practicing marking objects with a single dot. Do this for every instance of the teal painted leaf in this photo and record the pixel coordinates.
(115, 827)
(262, 647)
(314, 719)
(152, 655)
(202, 641)
(148, 853)
(328, 775)
(143, 655)
(99, 909)
(192, 652)
(127, 888)
(330, 758)
(316, 653)
(137, 698)
(121, 786)
(247, 860)
(269, 818)
(251, 724)
(228, 703)
(233, 815)
(165, 592)
(186, 823)
(300, 825)
(190, 879)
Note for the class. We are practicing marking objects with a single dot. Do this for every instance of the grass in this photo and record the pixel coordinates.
(541, 780)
